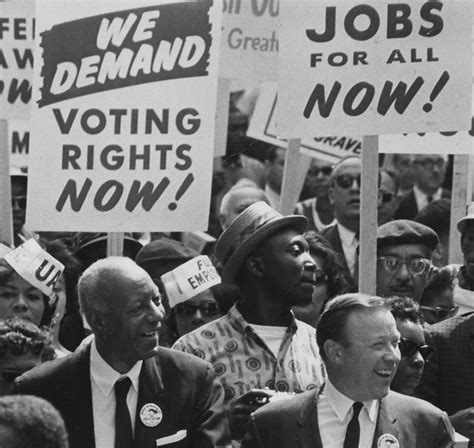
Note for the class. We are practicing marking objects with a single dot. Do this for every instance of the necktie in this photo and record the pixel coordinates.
(353, 429)
(123, 424)
(429, 199)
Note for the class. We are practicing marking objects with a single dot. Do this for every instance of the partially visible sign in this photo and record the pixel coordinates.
(263, 127)
(190, 279)
(249, 46)
(123, 124)
(35, 265)
(19, 142)
(374, 67)
(17, 30)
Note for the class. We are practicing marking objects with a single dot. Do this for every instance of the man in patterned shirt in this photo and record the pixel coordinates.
(259, 344)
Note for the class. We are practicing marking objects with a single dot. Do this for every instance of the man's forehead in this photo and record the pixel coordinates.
(405, 250)
(370, 323)
(352, 164)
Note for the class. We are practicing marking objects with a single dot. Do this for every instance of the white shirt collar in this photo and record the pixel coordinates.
(422, 198)
(347, 236)
(342, 404)
(105, 376)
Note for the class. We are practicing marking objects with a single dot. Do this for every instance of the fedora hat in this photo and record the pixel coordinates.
(469, 217)
(247, 231)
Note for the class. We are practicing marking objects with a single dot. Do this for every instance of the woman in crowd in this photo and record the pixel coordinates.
(413, 349)
(332, 278)
(22, 346)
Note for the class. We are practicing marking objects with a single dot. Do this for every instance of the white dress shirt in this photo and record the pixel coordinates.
(349, 245)
(422, 198)
(335, 413)
(103, 379)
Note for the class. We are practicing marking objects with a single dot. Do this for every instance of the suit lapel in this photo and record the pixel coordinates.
(385, 423)
(307, 430)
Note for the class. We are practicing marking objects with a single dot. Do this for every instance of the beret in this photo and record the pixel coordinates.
(165, 249)
(404, 231)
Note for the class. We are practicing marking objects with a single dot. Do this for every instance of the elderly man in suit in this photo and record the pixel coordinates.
(122, 390)
(358, 341)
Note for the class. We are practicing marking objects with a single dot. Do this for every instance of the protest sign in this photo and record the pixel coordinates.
(17, 27)
(35, 265)
(190, 279)
(377, 67)
(123, 124)
(249, 46)
(263, 127)
(18, 142)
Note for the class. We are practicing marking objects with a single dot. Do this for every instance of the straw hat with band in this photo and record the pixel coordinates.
(463, 221)
(247, 231)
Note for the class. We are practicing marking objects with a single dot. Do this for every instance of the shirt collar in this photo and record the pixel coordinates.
(347, 236)
(342, 404)
(421, 197)
(237, 320)
(105, 376)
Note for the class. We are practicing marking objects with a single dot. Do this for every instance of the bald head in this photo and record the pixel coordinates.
(236, 200)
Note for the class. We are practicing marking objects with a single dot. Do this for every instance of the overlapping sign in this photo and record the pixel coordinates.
(17, 27)
(123, 118)
(377, 67)
(19, 142)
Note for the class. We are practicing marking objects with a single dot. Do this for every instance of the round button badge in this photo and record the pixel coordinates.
(151, 415)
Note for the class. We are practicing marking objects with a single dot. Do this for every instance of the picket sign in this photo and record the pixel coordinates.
(296, 166)
(368, 213)
(114, 244)
(6, 223)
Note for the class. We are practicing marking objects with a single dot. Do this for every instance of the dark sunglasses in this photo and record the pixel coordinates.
(188, 309)
(10, 375)
(315, 170)
(385, 197)
(408, 349)
(441, 311)
(19, 201)
(347, 180)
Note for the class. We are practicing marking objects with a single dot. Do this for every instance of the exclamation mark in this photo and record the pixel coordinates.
(436, 90)
(181, 190)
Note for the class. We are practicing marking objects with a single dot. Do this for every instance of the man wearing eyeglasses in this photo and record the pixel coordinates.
(403, 258)
(429, 171)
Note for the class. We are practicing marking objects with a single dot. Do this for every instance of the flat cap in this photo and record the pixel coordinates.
(468, 218)
(404, 231)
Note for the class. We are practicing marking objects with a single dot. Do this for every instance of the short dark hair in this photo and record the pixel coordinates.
(34, 421)
(405, 309)
(332, 323)
(436, 215)
(441, 280)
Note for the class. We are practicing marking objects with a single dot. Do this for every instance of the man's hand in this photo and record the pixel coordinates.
(463, 422)
(242, 407)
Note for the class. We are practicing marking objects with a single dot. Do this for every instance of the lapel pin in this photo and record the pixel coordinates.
(151, 415)
(388, 441)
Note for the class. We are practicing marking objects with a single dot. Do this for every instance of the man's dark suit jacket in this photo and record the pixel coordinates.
(182, 385)
(407, 208)
(293, 423)
(448, 379)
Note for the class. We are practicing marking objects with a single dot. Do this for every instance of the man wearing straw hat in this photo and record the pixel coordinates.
(259, 344)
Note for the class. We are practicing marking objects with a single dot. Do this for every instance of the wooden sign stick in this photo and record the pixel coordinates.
(115, 244)
(6, 223)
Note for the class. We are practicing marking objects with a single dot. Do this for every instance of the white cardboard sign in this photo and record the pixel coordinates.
(190, 279)
(249, 46)
(16, 58)
(374, 67)
(263, 127)
(123, 124)
(35, 265)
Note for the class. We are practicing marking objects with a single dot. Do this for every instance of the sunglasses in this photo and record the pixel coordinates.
(441, 311)
(408, 349)
(19, 201)
(315, 170)
(346, 180)
(385, 196)
(415, 266)
(189, 309)
(10, 375)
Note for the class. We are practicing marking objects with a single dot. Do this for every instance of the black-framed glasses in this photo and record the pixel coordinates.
(19, 201)
(429, 164)
(315, 170)
(206, 308)
(408, 349)
(416, 266)
(346, 180)
(385, 196)
(10, 375)
(441, 312)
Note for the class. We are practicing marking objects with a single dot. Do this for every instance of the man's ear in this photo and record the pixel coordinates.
(97, 322)
(333, 351)
(254, 265)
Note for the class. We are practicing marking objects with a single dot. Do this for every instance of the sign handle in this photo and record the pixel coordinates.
(6, 223)
(368, 215)
(115, 244)
(294, 173)
(459, 199)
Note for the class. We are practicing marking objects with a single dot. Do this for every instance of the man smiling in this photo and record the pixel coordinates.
(358, 340)
(122, 390)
